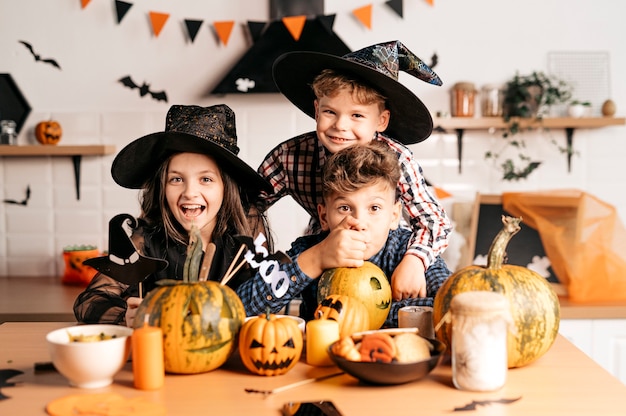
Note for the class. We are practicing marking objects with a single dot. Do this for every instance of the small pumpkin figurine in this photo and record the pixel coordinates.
(534, 304)
(270, 345)
(48, 132)
(350, 314)
(367, 283)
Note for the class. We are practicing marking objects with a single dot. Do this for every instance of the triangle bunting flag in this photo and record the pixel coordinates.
(84, 3)
(192, 28)
(223, 30)
(256, 29)
(294, 25)
(364, 14)
(327, 22)
(396, 5)
(121, 8)
(158, 21)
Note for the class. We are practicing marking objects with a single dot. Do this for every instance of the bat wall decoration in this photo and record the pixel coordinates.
(38, 57)
(22, 202)
(144, 89)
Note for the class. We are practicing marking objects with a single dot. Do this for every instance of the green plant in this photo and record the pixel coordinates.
(527, 97)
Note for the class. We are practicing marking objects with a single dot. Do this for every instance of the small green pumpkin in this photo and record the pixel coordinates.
(367, 283)
(534, 305)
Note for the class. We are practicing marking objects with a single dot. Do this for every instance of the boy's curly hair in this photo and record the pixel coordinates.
(328, 83)
(357, 166)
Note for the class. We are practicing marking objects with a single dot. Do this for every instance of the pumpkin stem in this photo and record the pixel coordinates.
(191, 269)
(267, 313)
(497, 251)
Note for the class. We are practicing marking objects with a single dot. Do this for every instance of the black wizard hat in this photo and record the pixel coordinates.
(124, 263)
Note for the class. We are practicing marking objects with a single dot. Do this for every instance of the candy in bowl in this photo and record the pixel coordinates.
(90, 355)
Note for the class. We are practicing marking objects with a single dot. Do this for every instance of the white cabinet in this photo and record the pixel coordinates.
(604, 340)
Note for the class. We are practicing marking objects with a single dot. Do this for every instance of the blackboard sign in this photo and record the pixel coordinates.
(524, 249)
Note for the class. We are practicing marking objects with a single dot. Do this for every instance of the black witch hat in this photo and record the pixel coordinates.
(124, 263)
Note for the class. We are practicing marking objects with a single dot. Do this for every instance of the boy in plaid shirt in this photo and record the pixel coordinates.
(359, 218)
(356, 99)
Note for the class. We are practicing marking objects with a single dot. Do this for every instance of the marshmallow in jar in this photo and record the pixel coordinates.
(480, 322)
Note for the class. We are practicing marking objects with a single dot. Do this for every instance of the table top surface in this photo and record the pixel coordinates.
(562, 382)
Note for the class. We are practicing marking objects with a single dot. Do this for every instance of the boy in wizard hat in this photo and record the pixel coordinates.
(355, 99)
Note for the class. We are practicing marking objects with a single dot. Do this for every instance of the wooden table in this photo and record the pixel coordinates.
(36, 299)
(562, 382)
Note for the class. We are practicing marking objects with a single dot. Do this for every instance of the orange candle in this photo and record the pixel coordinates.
(320, 333)
(148, 364)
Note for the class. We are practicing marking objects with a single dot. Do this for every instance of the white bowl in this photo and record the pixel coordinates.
(300, 321)
(89, 365)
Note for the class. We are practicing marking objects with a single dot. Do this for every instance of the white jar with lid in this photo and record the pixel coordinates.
(480, 321)
(492, 100)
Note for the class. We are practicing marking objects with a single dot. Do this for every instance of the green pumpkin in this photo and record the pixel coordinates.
(534, 305)
(200, 319)
(200, 323)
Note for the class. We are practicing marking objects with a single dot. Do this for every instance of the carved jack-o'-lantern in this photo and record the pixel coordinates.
(200, 323)
(367, 283)
(48, 132)
(77, 273)
(269, 345)
(350, 314)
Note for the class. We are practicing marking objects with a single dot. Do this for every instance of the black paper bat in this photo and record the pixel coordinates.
(5, 375)
(475, 403)
(22, 202)
(37, 56)
(143, 89)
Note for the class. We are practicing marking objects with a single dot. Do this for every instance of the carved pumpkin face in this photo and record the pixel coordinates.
(75, 271)
(48, 132)
(367, 283)
(269, 345)
(350, 313)
(200, 323)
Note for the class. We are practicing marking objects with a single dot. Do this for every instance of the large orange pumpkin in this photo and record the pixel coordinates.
(48, 132)
(350, 313)
(200, 319)
(269, 345)
(367, 283)
(534, 304)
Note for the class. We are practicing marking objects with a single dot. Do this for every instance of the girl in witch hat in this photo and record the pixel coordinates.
(354, 99)
(189, 174)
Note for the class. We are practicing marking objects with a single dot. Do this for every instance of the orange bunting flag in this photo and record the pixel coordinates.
(158, 21)
(294, 25)
(364, 14)
(84, 3)
(431, 2)
(223, 30)
(442, 193)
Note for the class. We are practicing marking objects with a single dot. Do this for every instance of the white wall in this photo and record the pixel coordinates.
(483, 41)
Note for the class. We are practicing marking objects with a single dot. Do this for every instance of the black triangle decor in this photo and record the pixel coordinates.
(121, 8)
(396, 5)
(192, 28)
(256, 29)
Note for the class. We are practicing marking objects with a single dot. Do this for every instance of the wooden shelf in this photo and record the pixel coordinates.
(55, 150)
(569, 124)
(76, 152)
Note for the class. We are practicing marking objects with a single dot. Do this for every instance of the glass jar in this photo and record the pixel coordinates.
(462, 100)
(492, 100)
(480, 321)
(8, 135)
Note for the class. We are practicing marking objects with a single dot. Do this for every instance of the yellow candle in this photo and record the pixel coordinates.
(320, 333)
(148, 364)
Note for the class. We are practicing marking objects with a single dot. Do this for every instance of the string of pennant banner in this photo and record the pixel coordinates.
(223, 29)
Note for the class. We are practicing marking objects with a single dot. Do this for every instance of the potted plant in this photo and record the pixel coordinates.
(577, 108)
(526, 97)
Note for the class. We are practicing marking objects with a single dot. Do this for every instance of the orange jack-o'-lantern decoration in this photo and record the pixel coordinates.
(48, 132)
(269, 345)
(350, 314)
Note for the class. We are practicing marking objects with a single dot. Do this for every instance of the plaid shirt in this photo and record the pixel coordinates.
(259, 294)
(294, 168)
